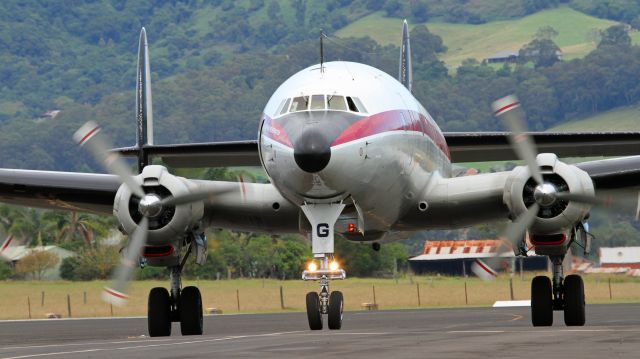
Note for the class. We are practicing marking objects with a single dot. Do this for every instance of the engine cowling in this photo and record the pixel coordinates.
(166, 224)
(555, 215)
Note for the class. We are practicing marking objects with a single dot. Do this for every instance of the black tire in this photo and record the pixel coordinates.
(159, 313)
(313, 311)
(336, 308)
(190, 308)
(541, 302)
(574, 311)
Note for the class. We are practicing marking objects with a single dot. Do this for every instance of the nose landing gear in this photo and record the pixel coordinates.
(323, 218)
(324, 302)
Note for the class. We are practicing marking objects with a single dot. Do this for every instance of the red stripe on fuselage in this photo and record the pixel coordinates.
(275, 131)
(395, 120)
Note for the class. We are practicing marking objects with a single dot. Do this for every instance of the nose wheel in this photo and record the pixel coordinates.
(334, 310)
(322, 217)
(324, 302)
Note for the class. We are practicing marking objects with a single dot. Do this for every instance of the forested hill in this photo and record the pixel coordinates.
(215, 63)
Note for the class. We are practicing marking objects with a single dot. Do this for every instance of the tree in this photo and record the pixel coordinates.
(37, 263)
(420, 11)
(73, 226)
(26, 223)
(91, 263)
(616, 35)
(5, 270)
(546, 32)
(542, 52)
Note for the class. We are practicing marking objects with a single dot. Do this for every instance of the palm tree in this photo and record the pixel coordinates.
(25, 223)
(72, 226)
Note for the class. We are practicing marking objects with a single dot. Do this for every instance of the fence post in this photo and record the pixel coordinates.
(610, 294)
(374, 294)
(511, 287)
(418, 290)
(238, 298)
(281, 298)
(69, 305)
(85, 297)
(111, 307)
(466, 297)
(42, 299)
(29, 306)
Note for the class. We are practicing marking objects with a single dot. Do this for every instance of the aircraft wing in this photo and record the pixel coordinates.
(613, 173)
(83, 192)
(194, 155)
(494, 146)
(463, 146)
(242, 206)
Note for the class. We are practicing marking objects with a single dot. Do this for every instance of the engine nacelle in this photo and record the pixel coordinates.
(556, 216)
(172, 222)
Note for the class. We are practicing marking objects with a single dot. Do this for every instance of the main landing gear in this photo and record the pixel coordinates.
(565, 294)
(181, 305)
(323, 218)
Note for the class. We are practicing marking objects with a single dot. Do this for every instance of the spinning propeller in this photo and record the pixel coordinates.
(545, 193)
(150, 206)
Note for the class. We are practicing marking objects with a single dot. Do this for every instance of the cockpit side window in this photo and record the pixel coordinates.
(359, 105)
(300, 103)
(317, 102)
(351, 104)
(285, 107)
(336, 103)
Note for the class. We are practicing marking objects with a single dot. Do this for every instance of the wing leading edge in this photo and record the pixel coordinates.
(494, 146)
(463, 146)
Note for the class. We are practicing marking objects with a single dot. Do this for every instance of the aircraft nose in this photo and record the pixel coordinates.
(312, 150)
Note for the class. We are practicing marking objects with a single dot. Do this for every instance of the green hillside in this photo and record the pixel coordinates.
(575, 33)
(620, 119)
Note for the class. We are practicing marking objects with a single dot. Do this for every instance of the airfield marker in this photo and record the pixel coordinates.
(281, 298)
(511, 287)
(374, 295)
(466, 297)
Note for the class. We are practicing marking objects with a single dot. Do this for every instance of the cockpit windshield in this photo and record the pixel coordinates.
(321, 102)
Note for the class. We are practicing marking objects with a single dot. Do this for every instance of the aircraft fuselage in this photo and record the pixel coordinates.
(351, 133)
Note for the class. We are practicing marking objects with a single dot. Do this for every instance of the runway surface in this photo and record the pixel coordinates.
(612, 331)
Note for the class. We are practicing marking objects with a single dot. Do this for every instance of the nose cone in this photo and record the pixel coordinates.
(312, 150)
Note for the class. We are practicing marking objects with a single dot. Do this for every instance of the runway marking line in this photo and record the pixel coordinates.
(152, 345)
(475, 331)
(78, 344)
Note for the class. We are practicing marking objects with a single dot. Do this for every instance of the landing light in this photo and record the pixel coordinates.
(334, 266)
(312, 267)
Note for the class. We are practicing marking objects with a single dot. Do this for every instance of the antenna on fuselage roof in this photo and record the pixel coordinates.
(322, 35)
(405, 75)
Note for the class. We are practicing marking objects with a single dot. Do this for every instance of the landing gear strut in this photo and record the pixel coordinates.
(323, 218)
(565, 294)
